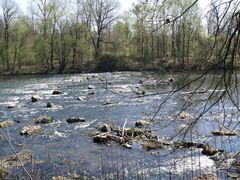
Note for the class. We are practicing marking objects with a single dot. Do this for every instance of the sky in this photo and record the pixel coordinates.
(124, 4)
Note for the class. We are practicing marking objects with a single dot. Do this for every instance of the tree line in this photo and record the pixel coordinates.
(87, 35)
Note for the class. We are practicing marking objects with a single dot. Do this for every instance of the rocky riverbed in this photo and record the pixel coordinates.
(115, 125)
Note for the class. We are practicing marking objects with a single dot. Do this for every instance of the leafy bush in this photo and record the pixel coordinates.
(107, 63)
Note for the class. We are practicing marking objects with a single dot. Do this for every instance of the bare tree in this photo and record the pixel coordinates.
(9, 11)
(102, 14)
(47, 14)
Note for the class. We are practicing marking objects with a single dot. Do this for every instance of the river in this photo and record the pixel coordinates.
(63, 149)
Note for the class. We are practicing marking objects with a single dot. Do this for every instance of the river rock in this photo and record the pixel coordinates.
(30, 130)
(75, 120)
(140, 91)
(209, 150)
(35, 98)
(82, 98)
(152, 144)
(107, 102)
(12, 105)
(188, 144)
(103, 138)
(171, 80)
(91, 92)
(224, 132)
(91, 87)
(141, 123)
(184, 115)
(45, 119)
(56, 92)
(206, 177)
(50, 105)
(133, 132)
(6, 123)
(59, 178)
(127, 145)
(106, 128)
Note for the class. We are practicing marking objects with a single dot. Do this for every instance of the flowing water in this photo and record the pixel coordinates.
(64, 149)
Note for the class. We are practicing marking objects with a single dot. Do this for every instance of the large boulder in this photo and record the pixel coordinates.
(76, 120)
(45, 119)
(30, 130)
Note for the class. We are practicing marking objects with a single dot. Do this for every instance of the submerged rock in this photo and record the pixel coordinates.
(30, 130)
(75, 120)
(35, 98)
(103, 138)
(141, 123)
(107, 102)
(224, 132)
(56, 92)
(13, 161)
(206, 177)
(6, 123)
(45, 119)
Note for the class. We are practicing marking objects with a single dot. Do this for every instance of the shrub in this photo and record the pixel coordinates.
(106, 63)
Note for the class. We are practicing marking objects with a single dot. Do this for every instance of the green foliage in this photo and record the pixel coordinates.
(54, 39)
(110, 63)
